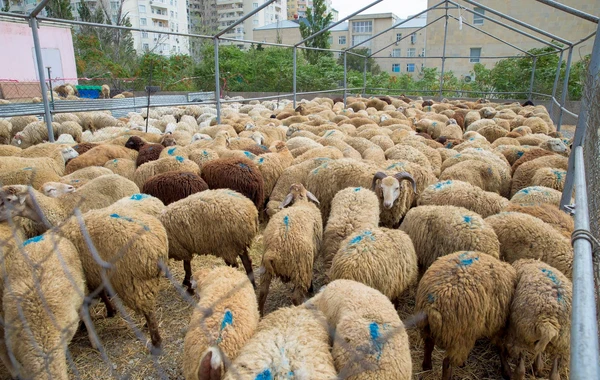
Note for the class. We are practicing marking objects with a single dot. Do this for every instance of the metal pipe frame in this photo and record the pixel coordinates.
(295, 78)
(494, 37)
(36, 11)
(563, 97)
(509, 27)
(33, 23)
(466, 57)
(444, 52)
(217, 80)
(532, 76)
(567, 9)
(238, 22)
(519, 22)
(395, 26)
(345, 78)
(396, 41)
(365, 77)
(556, 78)
(338, 22)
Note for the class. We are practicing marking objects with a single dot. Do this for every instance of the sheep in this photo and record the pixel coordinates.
(550, 177)
(556, 145)
(105, 92)
(56, 189)
(476, 173)
(293, 235)
(381, 258)
(241, 175)
(370, 340)
(20, 122)
(98, 193)
(463, 194)
(537, 195)
(146, 152)
(351, 208)
(81, 148)
(291, 342)
(121, 166)
(71, 128)
(5, 131)
(441, 230)
(558, 219)
(530, 155)
(323, 152)
(9, 150)
(149, 169)
(40, 323)
(220, 222)
(170, 187)
(98, 156)
(523, 236)
(465, 296)
(34, 133)
(540, 316)
(271, 165)
(215, 339)
(35, 171)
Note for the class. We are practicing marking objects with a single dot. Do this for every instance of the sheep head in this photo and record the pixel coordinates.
(68, 153)
(298, 192)
(15, 200)
(391, 186)
(135, 143)
(56, 189)
(258, 138)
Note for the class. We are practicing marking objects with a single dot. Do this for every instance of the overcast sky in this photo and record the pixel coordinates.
(401, 8)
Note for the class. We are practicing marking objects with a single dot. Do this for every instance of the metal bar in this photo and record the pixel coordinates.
(396, 41)
(462, 57)
(217, 80)
(444, 53)
(494, 37)
(573, 11)
(509, 27)
(556, 78)
(278, 45)
(532, 76)
(563, 96)
(33, 23)
(580, 132)
(519, 22)
(295, 78)
(396, 25)
(36, 11)
(365, 78)
(584, 328)
(345, 78)
(50, 86)
(238, 22)
(337, 23)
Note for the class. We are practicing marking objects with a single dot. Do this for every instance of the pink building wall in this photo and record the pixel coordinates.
(16, 48)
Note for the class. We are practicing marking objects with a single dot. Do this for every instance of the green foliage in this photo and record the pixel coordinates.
(357, 63)
(316, 20)
(59, 9)
(6, 6)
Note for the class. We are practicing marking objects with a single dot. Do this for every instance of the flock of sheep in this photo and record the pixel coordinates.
(456, 200)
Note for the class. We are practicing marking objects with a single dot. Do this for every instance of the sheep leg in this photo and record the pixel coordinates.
(446, 369)
(538, 365)
(429, 345)
(154, 334)
(519, 373)
(263, 291)
(311, 289)
(554, 373)
(110, 308)
(187, 279)
(247, 262)
(506, 371)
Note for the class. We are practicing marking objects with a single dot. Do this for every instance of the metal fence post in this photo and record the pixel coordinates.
(556, 78)
(444, 53)
(365, 78)
(565, 89)
(345, 77)
(33, 23)
(532, 76)
(217, 80)
(295, 78)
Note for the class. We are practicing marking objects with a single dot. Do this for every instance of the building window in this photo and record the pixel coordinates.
(398, 36)
(410, 67)
(144, 34)
(255, 22)
(362, 26)
(397, 53)
(330, 41)
(475, 54)
(342, 40)
(358, 39)
(395, 67)
(254, 5)
(413, 38)
(423, 52)
(172, 14)
(142, 9)
(410, 52)
(145, 47)
(477, 16)
(143, 22)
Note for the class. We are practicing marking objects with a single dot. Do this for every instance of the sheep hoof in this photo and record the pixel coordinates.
(156, 351)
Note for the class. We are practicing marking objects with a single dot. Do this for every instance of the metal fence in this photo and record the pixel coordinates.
(584, 342)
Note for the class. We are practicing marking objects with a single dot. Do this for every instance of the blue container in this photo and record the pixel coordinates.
(89, 92)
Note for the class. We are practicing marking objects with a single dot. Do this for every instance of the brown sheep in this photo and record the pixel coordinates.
(530, 155)
(147, 152)
(81, 148)
(98, 156)
(172, 186)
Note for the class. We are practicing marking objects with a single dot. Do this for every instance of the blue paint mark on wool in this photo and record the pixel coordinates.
(179, 158)
(520, 154)
(558, 174)
(171, 151)
(441, 185)
(363, 235)
(376, 340)
(430, 298)
(324, 166)
(472, 139)
(249, 155)
(139, 197)
(244, 166)
(467, 219)
(524, 191)
(464, 260)
(329, 133)
(261, 160)
(357, 189)
(227, 319)
(555, 281)
(28, 168)
(115, 160)
(264, 375)
(117, 216)
(286, 222)
(449, 145)
(395, 165)
(74, 180)
(35, 239)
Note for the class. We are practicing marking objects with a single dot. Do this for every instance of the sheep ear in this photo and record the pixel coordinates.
(312, 197)
(204, 370)
(286, 201)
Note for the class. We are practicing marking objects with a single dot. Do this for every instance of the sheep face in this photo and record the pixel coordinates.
(134, 143)
(258, 138)
(298, 192)
(391, 186)
(200, 136)
(249, 126)
(556, 145)
(68, 153)
(168, 141)
(13, 202)
(56, 189)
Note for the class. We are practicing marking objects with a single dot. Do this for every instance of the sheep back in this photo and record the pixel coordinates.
(167, 164)
(170, 187)
(98, 156)
(558, 219)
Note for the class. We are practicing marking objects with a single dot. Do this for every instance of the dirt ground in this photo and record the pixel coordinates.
(128, 357)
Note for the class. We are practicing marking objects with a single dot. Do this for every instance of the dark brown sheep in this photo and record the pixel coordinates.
(83, 147)
(338, 100)
(147, 152)
(170, 187)
(460, 119)
(239, 174)
(386, 99)
(530, 155)
(257, 149)
(427, 103)
(423, 134)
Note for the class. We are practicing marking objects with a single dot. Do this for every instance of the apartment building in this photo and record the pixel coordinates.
(297, 9)
(399, 50)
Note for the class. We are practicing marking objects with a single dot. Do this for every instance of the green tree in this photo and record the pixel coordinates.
(317, 19)
(59, 9)
(6, 7)
(357, 63)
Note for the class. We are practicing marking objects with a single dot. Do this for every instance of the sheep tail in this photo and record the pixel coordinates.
(210, 364)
